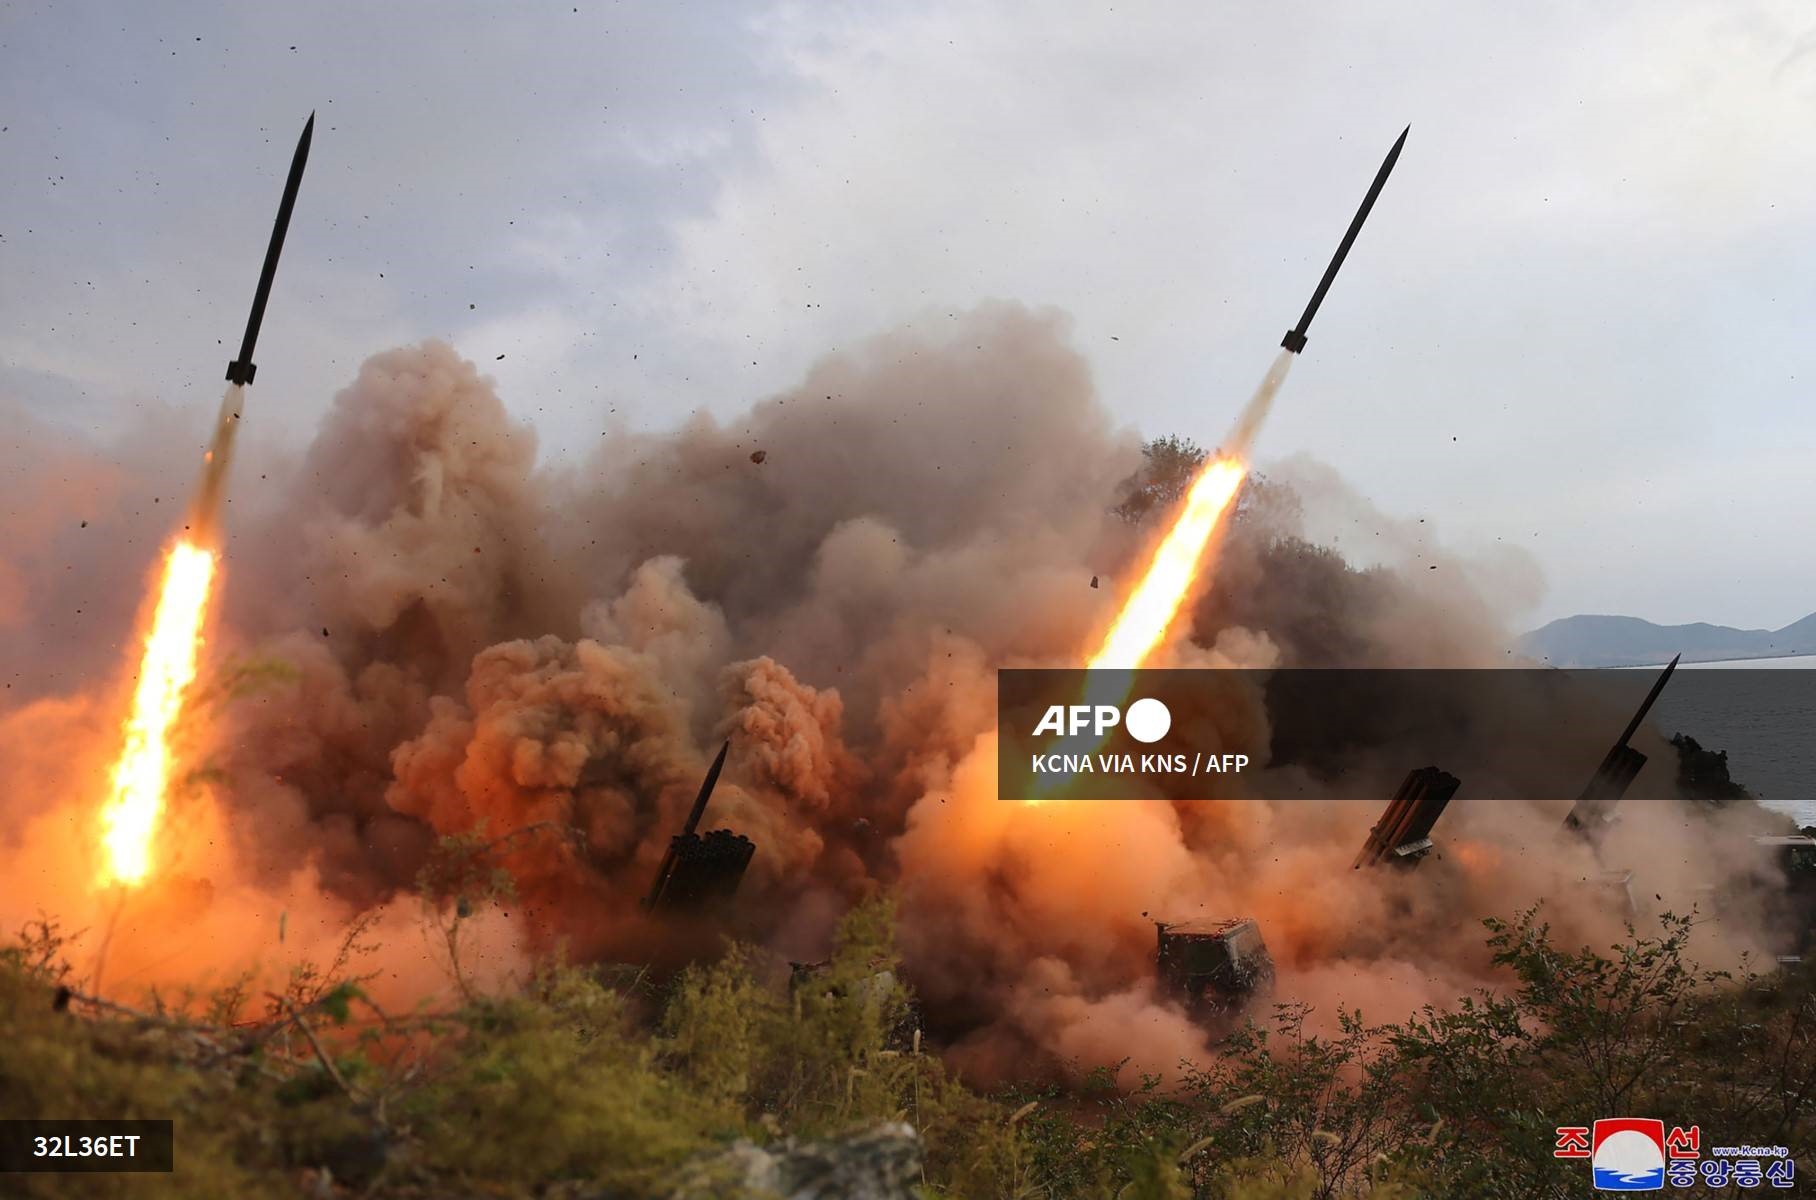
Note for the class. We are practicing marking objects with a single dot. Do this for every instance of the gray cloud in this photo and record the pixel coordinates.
(1574, 325)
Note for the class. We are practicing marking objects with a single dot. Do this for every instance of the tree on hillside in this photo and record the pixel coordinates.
(1169, 464)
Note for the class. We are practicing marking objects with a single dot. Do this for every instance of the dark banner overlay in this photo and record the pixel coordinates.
(1515, 734)
(77, 1147)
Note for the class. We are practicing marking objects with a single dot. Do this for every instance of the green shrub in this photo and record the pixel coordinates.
(564, 1088)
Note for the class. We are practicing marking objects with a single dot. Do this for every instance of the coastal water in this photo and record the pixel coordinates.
(1771, 742)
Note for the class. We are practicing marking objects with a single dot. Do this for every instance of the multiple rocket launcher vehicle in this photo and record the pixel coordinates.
(1214, 968)
(1208, 963)
(700, 872)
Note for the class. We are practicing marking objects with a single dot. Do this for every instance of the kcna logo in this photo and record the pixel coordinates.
(1147, 720)
(1635, 1154)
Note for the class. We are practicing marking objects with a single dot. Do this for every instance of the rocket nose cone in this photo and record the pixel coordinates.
(1393, 155)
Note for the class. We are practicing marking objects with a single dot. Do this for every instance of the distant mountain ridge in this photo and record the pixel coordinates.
(1603, 641)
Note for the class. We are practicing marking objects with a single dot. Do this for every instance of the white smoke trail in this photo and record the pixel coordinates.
(1259, 405)
(205, 512)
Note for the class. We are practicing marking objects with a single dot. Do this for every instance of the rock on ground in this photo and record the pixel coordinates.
(883, 1163)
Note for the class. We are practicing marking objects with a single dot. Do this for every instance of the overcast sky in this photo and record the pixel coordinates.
(1582, 320)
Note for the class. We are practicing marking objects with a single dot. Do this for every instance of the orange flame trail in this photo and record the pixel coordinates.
(1151, 608)
(1149, 612)
(141, 777)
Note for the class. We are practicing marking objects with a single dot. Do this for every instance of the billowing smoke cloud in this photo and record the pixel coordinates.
(425, 633)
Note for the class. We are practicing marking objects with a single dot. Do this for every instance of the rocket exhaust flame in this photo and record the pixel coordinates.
(1149, 612)
(141, 777)
(1150, 609)
(1154, 604)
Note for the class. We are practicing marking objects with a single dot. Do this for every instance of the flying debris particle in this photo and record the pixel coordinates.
(758, 456)
(500, 358)
(324, 631)
(1093, 581)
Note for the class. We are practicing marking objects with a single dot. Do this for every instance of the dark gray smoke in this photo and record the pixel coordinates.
(425, 633)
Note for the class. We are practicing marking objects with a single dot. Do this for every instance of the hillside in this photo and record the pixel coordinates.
(1608, 641)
